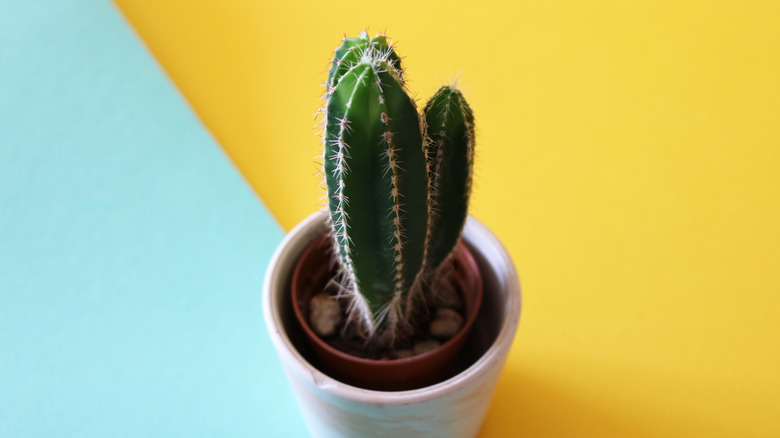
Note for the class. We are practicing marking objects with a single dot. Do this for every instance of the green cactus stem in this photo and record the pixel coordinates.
(376, 174)
(352, 49)
(450, 154)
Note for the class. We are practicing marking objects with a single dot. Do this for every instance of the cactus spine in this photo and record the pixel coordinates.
(377, 181)
(397, 198)
(450, 153)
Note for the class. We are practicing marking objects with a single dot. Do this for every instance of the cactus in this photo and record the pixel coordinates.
(376, 158)
(450, 153)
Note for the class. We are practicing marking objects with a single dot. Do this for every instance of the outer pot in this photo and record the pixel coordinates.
(452, 408)
(313, 271)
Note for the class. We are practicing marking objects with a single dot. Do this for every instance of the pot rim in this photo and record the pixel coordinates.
(476, 236)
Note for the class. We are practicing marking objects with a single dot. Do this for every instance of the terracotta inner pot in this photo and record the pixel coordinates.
(316, 267)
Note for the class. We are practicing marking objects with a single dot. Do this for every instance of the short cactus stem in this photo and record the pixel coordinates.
(450, 155)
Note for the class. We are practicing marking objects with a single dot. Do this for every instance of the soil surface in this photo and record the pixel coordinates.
(425, 333)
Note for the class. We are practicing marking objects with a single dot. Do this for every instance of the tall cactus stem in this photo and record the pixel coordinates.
(373, 128)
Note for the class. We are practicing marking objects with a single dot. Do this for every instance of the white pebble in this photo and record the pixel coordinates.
(324, 314)
(421, 347)
(446, 324)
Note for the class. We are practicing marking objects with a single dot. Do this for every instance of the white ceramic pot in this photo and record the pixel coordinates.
(452, 408)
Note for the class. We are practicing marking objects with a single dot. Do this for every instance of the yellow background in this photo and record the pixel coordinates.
(628, 157)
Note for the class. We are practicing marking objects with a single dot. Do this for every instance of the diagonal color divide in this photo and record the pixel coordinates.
(627, 157)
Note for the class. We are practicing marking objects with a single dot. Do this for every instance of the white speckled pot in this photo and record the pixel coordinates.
(452, 408)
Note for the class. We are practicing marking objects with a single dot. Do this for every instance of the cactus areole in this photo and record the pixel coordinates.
(398, 185)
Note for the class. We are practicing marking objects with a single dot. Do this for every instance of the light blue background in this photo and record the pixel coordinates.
(132, 252)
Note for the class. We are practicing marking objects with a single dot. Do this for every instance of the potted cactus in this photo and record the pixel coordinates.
(377, 305)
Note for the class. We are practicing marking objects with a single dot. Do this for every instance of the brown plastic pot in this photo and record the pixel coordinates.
(313, 271)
